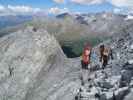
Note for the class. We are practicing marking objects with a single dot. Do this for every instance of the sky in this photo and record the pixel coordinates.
(61, 6)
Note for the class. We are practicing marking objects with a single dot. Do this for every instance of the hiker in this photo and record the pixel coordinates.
(101, 49)
(105, 53)
(85, 62)
(105, 57)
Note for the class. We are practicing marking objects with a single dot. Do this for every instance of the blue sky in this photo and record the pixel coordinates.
(47, 4)
(72, 5)
(33, 3)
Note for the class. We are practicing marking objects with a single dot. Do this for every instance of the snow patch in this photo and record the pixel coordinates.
(131, 46)
(129, 17)
(130, 61)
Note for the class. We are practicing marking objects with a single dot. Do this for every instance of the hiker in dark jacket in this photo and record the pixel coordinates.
(105, 55)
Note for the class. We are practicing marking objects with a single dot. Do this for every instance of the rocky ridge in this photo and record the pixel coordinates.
(115, 81)
(33, 67)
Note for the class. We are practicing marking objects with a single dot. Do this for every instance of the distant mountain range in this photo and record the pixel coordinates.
(103, 23)
(10, 20)
(63, 15)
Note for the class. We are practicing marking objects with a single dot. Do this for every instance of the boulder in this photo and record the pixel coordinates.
(130, 62)
(91, 95)
(121, 93)
(102, 97)
(106, 85)
(129, 96)
(125, 78)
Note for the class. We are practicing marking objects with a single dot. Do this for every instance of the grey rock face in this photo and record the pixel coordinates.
(115, 81)
(33, 67)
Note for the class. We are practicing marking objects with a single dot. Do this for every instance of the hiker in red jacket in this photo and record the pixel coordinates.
(85, 62)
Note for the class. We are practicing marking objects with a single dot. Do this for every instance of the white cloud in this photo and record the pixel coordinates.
(13, 10)
(124, 6)
(2, 8)
(85, 2)
(117, 3)
(122, 3)
(59, 1)
(23, 9)
(57, 10)
(20, 9)
(88, 2)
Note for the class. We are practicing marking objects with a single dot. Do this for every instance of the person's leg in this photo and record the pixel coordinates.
(83, 77)
(81, 73)
(89, 71)
(104, 65)
(100, 59)
(89, 67)
(101, 56)
(105, 61)
(82, 64)
(86, 73)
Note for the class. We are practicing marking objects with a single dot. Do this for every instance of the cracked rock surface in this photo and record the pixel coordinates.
(115, 81)
(33, 67)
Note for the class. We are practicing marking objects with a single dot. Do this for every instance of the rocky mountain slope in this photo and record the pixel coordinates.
(33, 67)
(100, 23)
(72, 30)
(115, 82)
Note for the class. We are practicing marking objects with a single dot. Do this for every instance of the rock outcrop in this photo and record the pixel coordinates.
(33, 67)
(115, 81)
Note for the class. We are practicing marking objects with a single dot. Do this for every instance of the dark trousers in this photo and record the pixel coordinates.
(84, 73)
(105, 61)
(84, 65)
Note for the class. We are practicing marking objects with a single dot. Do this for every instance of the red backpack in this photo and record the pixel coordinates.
(86, 55)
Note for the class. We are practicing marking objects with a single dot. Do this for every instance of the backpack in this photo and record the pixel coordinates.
(86, 56)
(106, 52)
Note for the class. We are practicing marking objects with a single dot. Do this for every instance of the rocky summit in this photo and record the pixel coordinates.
(34, 67)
